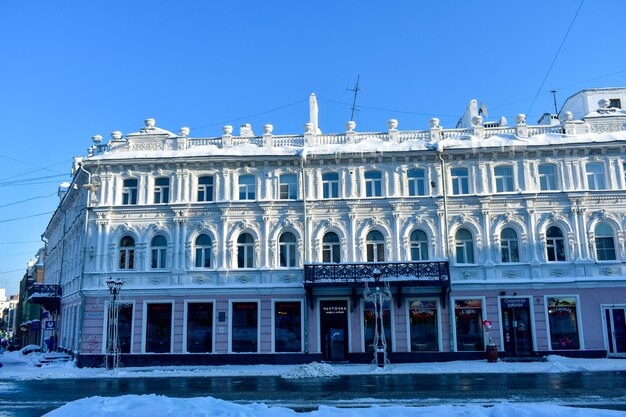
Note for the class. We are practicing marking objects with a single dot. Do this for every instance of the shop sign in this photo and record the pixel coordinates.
(334, 309)
(50, 325)
(515, 302)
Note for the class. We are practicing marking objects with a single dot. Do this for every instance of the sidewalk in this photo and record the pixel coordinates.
(18, 366)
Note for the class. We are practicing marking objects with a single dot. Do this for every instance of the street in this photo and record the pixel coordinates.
(22, 398)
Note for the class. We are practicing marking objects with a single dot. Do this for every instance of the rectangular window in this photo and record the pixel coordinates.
(159, 328)
(460, 180)
(615, 103)
(245, 327)
(199, 327)
(468, 314)
(547, 177)
(205, 188)
(330, 185)
(563, 323)
(423, 326)
(417, 182)
(373, 184)
(504, 179)
(161, 190)
(369, 324)
(129, 192)
(624, 170)
(158, 258)
(288, 327)
(247, 188)
(288, 187)
(595, 176)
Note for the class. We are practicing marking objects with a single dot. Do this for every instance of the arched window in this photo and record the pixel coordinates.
(159, 247)
(203, 251)
(245, 251)
(287, 248)
(127, 253)
(464, 247)
(419, 246)
(331, 249)
(555, 244)
(509, 247)
(605, 244)
(375, 246)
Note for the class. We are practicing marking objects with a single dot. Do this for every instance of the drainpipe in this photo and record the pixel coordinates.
(305, 239)
(446, 246)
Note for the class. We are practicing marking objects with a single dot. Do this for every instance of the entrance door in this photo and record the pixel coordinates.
(616, 330)
(516, 325)
(334, 329)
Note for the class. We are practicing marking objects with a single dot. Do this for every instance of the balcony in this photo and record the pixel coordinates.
(427, 274)
(46, 295)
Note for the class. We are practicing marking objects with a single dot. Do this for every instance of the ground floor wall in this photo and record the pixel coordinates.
(338, 324)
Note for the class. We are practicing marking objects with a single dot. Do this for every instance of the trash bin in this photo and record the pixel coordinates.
(492, 353)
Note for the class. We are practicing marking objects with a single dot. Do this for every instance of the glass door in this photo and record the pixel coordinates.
(615, 318)
(334, 329)
(516, 324)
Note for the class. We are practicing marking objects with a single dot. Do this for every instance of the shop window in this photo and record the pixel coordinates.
(245, 251)
(245, 331)
(548, 180)
(247, 187)
(417, 182)
(287, 250)
(419, 246)
(373, 184)
(563, 323)
(468, 315)
(460, 180)
(199, 327)
(161, 190)
(504, 178)
(203, 251)
(159, 250)
(127, 253)
(330, 184)
(509, 247)
(424, 330)
(369, 324)
(288, 187)
(464, 247)
(129, 192)
(288, 326)
(205, 188)
(159, 328)
(331, 248)
(124, 327)
(605, 244)
(555, 244)
(375, 246)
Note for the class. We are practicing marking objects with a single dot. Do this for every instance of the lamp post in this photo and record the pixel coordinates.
(112, 360)
(378, 297)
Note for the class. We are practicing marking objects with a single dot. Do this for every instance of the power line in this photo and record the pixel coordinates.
(13, 270)
(20, 241)
(26, 217)
(28, 199)
(387, 110)
(37, 170)
(555, 56)
(252, 115)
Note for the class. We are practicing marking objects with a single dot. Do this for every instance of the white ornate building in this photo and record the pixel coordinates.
(255, 249)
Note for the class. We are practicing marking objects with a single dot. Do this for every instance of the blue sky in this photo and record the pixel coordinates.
(73, 69)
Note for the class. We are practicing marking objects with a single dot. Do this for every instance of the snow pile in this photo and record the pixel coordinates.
(311, 370)
(153, 405)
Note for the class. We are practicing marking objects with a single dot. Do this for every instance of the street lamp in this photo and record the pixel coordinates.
(112, 360)
(378, 297)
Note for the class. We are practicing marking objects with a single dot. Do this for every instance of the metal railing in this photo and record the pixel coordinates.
(421, 273)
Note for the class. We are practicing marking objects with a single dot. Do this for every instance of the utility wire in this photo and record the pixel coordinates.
(386, 110)
(13, 270)
(555, 56)
(20, 241)
(36, 170)
(252, 115)
(28, 199)
(26, 217)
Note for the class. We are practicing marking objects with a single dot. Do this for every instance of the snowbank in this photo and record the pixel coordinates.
(311, 370)
(153, 405)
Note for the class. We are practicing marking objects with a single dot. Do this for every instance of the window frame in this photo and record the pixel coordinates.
(273, 326)
(288, 251)
(579, 327)
(288, 190)
(129, 192)
(611, 237)
(596, 179)
(373, 183)
(331, 248)
(247, 255)
(505, 182)
(231, 304)
(455, 324)
(422, 246)
(548, 178)
(555, 246)
(205, 192)
(129, 254)
(186, 324)
(247, 190)
(416, 183)
(203, 250)
(161, 194)
(144, 324)
(467, 246)
(459, 182)
(375, 247)
(330, 186)
(160, 252)
(409, 302)
(505, 244)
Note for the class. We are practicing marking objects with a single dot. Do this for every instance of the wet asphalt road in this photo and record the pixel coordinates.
(597, 389)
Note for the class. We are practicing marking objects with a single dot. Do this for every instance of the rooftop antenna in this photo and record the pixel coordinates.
(556, 109)
(355, 90)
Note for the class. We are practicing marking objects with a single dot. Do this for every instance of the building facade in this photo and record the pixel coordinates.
(257, 249)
